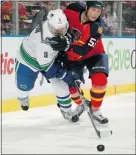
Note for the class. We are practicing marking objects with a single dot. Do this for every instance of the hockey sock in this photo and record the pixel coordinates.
(99, 82)
(64, 102)
(22, 94)
(75, 95)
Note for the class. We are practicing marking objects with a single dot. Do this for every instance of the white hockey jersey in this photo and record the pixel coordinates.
(34, 53)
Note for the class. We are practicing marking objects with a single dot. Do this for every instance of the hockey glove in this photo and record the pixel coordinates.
(58, 71)
(69, 77)
(60, 43)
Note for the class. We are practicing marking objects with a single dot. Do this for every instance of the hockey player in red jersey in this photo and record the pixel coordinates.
(86, 49)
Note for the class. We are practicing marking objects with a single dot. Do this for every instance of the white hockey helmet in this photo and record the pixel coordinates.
(57, 22)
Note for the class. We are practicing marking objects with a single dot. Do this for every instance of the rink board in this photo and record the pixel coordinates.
(122, 56)
(45, 100)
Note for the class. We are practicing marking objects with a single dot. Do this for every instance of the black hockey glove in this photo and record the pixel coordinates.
(60, 43)
(77, 80)
(57, 71)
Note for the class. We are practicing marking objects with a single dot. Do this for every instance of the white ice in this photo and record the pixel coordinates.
(44, 131)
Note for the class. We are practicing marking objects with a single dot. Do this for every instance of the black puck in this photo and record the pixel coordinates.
(100, 147)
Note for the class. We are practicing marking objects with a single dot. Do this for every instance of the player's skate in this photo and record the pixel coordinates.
(24, 103)
(70, 115)
(81, 107)
(97, 116)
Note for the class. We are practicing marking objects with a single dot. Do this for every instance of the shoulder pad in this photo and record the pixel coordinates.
(75, 7)
(96, 28)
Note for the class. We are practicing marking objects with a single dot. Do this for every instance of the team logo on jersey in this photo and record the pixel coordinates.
(76, 33)
(100, 29)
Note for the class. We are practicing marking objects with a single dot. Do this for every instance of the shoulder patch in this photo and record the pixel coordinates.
(100, 29)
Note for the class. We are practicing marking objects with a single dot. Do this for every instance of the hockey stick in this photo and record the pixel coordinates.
(99, 133)
(41, 80)
(43, 76)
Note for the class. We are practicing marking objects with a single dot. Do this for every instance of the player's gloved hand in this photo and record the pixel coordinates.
(80, 72)
(58, 70)
(61, 43)
(69, 77)
(78, 81)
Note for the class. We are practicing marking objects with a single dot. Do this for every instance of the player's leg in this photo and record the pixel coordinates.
(77, 99)
(98, 73)
(64, 99)
(25, 80)
(77, 67)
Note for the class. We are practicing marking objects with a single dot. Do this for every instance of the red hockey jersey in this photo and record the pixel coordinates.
(87, 36)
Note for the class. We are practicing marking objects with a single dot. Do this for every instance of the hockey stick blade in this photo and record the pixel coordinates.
(100, 134)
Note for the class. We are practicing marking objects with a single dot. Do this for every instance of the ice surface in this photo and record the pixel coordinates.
(44, 131)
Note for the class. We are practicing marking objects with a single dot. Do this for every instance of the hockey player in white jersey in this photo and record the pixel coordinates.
(36, 56)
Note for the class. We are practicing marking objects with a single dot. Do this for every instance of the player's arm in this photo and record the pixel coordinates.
(51, 67)
(90, 36)
(57, 70)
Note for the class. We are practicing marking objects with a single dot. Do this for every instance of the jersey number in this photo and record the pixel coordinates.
(45, 54)
(92, 42)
